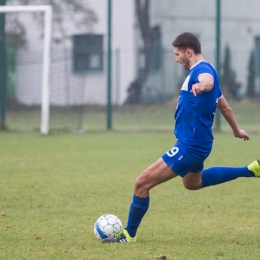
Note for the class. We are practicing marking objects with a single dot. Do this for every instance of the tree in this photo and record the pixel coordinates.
(228, 79)
(251, 76)
(76, 11)
(148, 34)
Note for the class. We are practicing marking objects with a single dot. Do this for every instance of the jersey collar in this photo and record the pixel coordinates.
(196, 64)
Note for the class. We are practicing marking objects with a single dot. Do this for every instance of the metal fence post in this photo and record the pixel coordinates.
(2, 68)
(218, 49)
(109, 69)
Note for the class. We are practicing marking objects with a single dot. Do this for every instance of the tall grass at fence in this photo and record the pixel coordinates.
(127, 117)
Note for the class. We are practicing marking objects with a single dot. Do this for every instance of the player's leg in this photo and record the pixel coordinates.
(218, 175)
(175, 161)
(192, 181)
(157, 173)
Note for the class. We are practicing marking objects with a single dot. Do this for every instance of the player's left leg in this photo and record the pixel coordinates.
(157, 173)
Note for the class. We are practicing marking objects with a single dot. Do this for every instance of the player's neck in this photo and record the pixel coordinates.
(195, 59)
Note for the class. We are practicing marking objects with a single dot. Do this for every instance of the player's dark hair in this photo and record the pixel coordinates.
(187, 40)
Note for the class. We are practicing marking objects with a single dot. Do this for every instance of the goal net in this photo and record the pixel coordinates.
(37, 89)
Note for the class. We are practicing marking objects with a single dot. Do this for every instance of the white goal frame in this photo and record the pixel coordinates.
(47, 9)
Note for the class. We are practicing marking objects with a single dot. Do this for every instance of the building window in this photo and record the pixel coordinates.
(87, 53)
(257, 55)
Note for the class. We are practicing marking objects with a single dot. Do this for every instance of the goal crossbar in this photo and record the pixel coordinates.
(47, 9)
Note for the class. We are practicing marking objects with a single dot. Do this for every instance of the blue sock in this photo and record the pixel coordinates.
(217, 175)
(138, 208)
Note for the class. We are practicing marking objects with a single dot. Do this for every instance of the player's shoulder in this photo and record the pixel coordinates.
(203, 67)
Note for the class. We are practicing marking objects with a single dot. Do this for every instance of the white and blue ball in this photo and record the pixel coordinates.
(107, 225)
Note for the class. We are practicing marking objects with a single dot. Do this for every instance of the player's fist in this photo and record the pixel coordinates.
(197, 88)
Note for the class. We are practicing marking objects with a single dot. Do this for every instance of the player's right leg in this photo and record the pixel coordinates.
(157, 173)
(222, 174)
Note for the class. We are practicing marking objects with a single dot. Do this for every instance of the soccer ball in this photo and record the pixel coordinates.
(107, 225)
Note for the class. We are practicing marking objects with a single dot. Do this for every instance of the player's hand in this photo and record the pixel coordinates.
(243, 135)
(197, 88)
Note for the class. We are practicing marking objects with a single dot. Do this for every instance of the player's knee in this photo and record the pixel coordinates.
(191, 185)
(141, 182)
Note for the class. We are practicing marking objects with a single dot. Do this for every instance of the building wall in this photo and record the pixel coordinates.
(240, 24)
(66, 87)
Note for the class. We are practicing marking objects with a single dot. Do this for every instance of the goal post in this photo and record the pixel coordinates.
(47, 10)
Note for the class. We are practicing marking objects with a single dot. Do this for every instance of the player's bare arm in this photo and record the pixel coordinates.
(229, 115)
(206, 83)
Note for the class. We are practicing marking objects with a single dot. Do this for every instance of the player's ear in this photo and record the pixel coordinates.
(189, 52)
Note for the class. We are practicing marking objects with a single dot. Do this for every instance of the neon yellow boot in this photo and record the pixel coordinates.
(255, 168)
(120, 237)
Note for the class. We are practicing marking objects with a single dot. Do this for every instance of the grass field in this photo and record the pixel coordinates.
(53, 188)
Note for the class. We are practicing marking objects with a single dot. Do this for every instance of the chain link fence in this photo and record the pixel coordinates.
(146, 79)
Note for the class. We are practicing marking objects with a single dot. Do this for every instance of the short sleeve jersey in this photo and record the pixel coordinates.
(195, 114)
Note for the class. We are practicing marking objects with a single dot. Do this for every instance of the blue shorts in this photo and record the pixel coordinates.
(182, 158)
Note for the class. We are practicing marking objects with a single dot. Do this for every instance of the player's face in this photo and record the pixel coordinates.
(182, 57)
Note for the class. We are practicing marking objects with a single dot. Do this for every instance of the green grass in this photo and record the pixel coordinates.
(53, 188)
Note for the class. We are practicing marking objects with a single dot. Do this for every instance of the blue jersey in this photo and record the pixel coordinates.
(195, 114)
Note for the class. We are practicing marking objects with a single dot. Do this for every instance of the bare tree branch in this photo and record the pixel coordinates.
(72, 12)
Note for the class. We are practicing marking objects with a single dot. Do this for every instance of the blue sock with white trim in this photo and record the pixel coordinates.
(138, 208)
(217, 175)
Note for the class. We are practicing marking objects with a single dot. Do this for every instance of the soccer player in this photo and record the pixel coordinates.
(199, 97)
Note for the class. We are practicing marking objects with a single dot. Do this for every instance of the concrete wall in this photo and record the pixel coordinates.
(240, 24)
